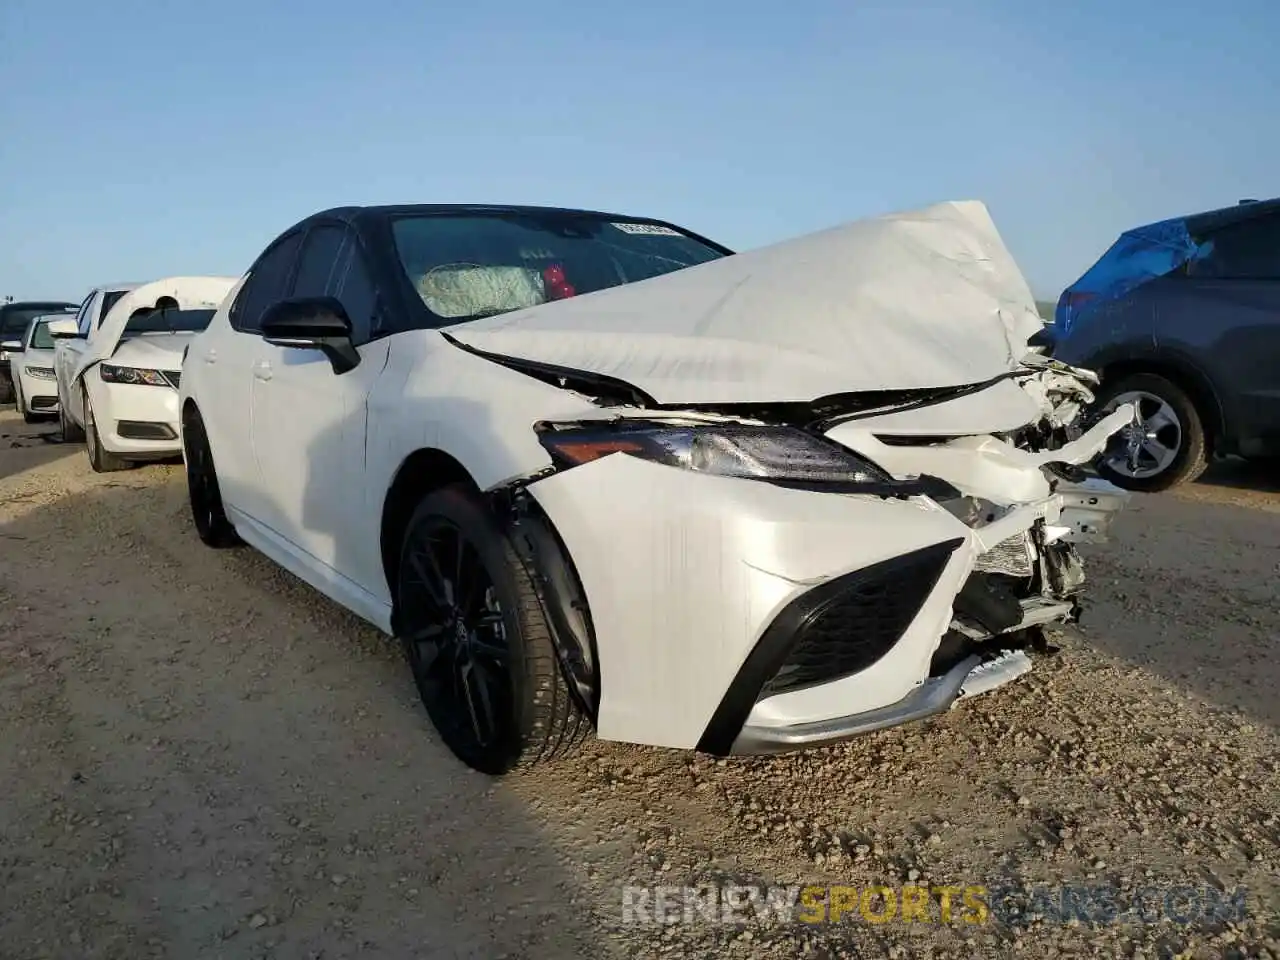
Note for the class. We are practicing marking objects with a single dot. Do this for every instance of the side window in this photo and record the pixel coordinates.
(109, 300)
(1246, 251)
(353, 285)
(319, 258)
(82, 318)
(267, 283)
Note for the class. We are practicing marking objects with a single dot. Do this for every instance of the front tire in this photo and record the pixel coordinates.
(478, 642)
(203, 492)
(1168, 448)
(102, 460)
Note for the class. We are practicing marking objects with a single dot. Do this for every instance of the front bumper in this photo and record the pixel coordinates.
(933, 696)
(137, 421)
(706, 595)
(39, 394)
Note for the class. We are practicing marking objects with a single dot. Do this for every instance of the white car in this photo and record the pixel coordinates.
(118, 385)
(71, 342)
(598, 471)
(15, 318)
(35, 388)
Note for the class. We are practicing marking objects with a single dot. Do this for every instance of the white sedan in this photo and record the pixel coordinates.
(598, 471)
(34, 385)
(118, 379)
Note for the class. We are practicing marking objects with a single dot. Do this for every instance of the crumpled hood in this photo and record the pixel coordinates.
(917, 300)
(154, 351)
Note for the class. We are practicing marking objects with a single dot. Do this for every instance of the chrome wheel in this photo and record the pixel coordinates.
(1150, 444)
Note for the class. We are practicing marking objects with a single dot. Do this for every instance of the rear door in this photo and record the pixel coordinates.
(1236, 290)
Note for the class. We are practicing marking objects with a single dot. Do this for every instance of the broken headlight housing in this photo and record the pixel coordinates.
(780, 455)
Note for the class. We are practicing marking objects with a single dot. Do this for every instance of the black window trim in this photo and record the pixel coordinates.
(353, 241)
(233, 314)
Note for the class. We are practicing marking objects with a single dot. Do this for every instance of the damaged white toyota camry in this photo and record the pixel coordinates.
(598, 471)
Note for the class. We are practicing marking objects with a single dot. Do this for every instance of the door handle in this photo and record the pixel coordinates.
(211, 356)
(262, 370)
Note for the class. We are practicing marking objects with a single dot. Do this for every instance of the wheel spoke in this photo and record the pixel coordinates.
(1162, 418)
(1157, 451)
(423, 562)
(476, 694)
(471, 578)
(493, 649)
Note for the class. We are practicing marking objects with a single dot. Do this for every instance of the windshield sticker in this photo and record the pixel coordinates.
(647, 230)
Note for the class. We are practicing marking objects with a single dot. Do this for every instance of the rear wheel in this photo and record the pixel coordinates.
(205, 496)
(477, 641)
(102, 460)
(1164, 447)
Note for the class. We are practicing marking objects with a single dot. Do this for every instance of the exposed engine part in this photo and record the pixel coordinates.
(1060, 569)
(1014, 557)
(989, 600)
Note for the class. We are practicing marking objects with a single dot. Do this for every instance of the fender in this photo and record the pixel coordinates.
(1168, 360)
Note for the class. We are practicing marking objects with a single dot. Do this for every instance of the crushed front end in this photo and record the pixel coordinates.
(740, 616)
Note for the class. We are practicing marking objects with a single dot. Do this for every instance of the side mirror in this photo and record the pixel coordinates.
(63, 329)
(11, 346)
(312, 323)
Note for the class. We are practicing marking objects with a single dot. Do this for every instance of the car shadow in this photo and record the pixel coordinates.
(30, 445)
(1236, 473)
(203, 756)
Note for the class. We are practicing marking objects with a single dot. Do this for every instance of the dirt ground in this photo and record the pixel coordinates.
(202, 757)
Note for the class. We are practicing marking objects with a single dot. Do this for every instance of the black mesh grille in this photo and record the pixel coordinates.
(856, 626)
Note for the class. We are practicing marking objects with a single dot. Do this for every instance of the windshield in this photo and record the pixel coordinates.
(167, 321)
(470, 266)
(41, 338)
(14, 319)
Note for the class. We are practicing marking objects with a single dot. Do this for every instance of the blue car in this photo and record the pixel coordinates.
(1182, 317)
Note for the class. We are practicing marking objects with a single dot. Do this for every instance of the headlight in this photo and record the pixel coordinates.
(780, 455)
(40, 373)
(112, 374)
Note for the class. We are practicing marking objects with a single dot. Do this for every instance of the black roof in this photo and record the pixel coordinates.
(38, 305)
(353, 213)
(1211, 221)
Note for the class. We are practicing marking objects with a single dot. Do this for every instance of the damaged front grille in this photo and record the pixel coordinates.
(859, 618)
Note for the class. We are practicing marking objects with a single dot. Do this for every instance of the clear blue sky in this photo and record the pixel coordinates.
(143, 139)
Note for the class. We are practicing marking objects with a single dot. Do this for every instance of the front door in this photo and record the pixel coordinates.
(310, 423)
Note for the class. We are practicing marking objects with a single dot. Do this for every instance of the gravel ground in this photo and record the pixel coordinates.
(201, 757)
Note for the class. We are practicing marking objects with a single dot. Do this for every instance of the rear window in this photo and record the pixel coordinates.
(168, 321)
(1244, 251)
(109, 300)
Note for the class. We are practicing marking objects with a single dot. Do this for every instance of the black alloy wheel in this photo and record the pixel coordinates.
(203, 492)
(477, 642)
